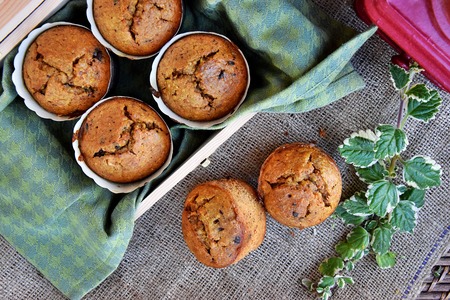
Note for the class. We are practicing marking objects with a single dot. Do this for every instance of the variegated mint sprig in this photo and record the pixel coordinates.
(391, 203)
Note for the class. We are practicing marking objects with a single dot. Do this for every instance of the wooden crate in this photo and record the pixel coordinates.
(18, 18)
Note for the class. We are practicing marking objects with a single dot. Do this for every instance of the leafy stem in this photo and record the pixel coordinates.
(385, 207)
(403, 120)
(402, 117)
(391, 169)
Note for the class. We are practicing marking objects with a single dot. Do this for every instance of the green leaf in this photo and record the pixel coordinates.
(348, 218)
(342, 280)
(404, 216)
(381, 239)
(399, 76)
(358, 238)
(360, 254)
(425, 111)
(414, 195)
(345, 250)
(391, 141)
(348, 280)
(414, 67)
(340, 283)
(419, 92)
(308, 283)
(331, 266)
(357, 205)
(422, 172)
(402, 189)
(382, 197)
(358, 149)
(386, 260)
(373, 173)
(326, 294)
(326, 282)
(349, 266)
(371, 225)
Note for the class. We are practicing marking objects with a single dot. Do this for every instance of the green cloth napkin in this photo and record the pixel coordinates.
(75, 232)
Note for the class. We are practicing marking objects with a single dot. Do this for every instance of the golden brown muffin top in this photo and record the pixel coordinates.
(66, 70)
(202, 77)
(223, 221)
(212, 216)
(138, 27)
(300, 185)
(124, 140)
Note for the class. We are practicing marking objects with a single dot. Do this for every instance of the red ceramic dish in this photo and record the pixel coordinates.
(418, 29)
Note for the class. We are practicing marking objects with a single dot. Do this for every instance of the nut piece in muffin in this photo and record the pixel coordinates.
(300, 185)
(123, 140)
(223, 221)
(66, 70)
(202, 77)
(138, 27)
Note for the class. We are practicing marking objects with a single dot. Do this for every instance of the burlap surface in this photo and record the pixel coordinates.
(158, 265)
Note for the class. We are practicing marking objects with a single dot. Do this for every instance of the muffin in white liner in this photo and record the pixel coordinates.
(122, 133)
(149, 36)
(80, 71)
(209, 77)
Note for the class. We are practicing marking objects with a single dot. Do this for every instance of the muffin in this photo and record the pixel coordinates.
(300, 185)
(137, 27)
(202, 77)
(66, 70)
(123, 140)
(222, 222)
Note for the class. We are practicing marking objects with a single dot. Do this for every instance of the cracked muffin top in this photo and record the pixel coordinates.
(202, 77)
(123, 140)
(223, 221)
(300, 185)
(138, 27)
(66, 70)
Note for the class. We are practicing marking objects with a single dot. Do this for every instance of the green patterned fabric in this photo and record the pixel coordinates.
(75, 232)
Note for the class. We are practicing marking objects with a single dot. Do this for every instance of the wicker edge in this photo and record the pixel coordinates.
(437, 284)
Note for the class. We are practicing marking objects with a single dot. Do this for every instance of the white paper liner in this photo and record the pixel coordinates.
(104, 42)
(17, 75)
(102, 182)
(166, 110)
